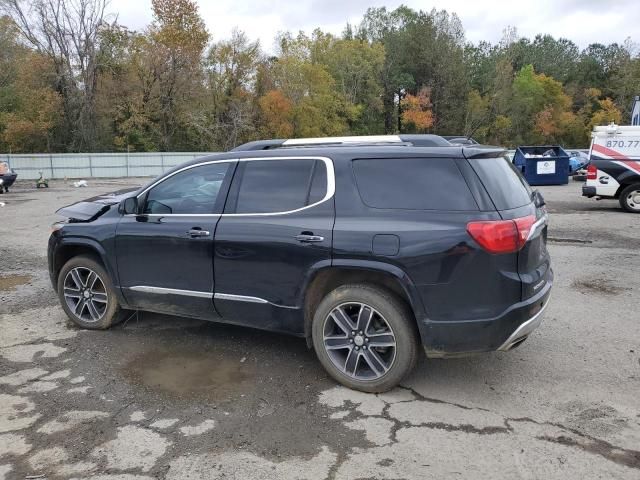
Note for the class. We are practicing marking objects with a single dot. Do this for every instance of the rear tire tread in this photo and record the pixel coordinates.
(404, 328)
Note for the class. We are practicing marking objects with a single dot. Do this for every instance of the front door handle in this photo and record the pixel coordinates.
(196, 232)
(309, 238)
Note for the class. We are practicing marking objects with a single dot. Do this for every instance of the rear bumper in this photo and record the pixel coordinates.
(508, 330)
(588, 191)
(522, 332)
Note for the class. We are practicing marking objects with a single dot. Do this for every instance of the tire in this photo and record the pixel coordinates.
(388, 319)
(630, 198)
(101, 308)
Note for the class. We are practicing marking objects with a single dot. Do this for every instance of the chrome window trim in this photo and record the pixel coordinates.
(170, 291)
(331, 188)
(331, 185)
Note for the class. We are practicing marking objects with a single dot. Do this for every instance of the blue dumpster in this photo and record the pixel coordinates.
(543, 164)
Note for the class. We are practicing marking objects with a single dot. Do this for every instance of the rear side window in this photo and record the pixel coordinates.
(272, 186)
(318, 188)
(503, 182)
(413, 184)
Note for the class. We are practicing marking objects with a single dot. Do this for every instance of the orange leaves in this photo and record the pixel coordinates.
(277, 113)
(545, 124)
(416, 110)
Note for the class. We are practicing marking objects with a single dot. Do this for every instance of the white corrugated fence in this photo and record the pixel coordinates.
(88, 165)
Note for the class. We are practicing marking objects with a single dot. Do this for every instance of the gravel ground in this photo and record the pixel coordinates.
(171, 398)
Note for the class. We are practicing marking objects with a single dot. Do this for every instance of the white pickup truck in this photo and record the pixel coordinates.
(614, 167)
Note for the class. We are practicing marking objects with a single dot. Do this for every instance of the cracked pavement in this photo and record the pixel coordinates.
(162, 397)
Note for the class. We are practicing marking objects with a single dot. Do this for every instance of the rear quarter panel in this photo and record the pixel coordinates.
(456, 279)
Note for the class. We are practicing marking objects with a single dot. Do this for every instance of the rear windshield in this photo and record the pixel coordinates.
(506, 186)
(413, 184)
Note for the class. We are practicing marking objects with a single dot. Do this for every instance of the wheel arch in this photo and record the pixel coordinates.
(626, 180)
(324, 279)
(75, 246)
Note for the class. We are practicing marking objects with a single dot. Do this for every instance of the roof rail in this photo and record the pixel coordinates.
(349, 144)
(360, 140)
(416, 140)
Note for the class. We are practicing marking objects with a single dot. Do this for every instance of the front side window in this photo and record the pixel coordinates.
(192, 191)
(273, 186)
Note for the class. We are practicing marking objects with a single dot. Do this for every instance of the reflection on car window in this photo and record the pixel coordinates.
(189, 192)
(270, 186)
(413, 184)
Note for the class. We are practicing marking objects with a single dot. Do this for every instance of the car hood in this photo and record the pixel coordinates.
(91, 208)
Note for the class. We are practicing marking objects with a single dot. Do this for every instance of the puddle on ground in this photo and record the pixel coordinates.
(10, 282)
(201, 374)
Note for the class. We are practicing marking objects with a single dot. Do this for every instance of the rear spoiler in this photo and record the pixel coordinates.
(483, 152)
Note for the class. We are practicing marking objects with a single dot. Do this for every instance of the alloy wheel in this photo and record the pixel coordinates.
(85, 294)
(359, 341)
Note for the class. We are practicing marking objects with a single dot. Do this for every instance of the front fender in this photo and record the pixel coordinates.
(93, 245)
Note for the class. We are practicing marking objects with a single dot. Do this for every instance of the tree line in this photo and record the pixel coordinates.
(73, 79)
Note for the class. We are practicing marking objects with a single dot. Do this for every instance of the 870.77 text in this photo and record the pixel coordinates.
(623, 143)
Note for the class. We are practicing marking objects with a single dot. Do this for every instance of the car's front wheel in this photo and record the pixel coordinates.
(87, 295)
(365, 337)
(630, 198)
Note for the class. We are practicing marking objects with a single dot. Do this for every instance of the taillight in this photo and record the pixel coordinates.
(502, 236)
(592, 172)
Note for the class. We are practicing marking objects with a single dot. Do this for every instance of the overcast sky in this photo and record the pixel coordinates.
(583, 21)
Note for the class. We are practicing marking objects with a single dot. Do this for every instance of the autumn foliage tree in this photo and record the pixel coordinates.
(73, 79)
(416, 111)
(276, 115)
(179, 37)
(29, 107)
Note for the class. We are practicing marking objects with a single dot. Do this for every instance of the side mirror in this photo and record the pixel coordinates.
(538, 199)
(129, 206)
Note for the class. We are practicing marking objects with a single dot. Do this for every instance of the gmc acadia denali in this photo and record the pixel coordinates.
(369, 249)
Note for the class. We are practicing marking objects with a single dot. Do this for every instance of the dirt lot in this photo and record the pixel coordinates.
(170, 398)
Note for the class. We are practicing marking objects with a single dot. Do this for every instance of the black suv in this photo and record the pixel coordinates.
(367, 251)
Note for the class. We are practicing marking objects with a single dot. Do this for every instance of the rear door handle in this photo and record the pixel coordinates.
(196, 232)
(306, 238)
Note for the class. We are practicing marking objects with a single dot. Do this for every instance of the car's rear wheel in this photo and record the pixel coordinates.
(87, 295)
(630, 198)
(365, 337)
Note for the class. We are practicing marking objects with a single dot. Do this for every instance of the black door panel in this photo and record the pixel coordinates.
(158, 254)
(165, 254)
(262, 259)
